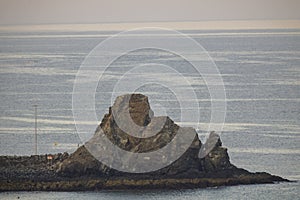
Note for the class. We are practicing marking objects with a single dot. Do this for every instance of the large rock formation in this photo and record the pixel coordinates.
(82, 171)
(189, 164)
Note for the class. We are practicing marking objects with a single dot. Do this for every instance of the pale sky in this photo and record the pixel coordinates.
(22, 12)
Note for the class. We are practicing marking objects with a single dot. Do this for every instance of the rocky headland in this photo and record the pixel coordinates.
(83, 171)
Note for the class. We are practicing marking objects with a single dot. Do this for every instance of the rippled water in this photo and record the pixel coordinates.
(279, 191)
(260, 70)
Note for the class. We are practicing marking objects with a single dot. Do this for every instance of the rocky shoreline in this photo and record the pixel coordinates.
(90, 184)
(35, 173)
(82, 171)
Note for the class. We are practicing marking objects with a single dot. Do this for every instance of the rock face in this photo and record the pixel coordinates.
(82, 162)
(82, 171)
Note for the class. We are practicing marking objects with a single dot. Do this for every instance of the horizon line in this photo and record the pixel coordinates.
(181, 25)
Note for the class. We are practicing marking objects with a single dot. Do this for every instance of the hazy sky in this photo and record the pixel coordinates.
(99, 11)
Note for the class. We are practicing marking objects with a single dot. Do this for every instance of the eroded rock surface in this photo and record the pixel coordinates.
(81, 162)
(82, 171)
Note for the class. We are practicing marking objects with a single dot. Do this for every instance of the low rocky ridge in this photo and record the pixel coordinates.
(82, 171)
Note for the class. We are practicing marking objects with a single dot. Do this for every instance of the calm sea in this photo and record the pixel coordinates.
(261, 74)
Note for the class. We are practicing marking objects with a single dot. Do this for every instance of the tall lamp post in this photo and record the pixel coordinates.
(35, 129)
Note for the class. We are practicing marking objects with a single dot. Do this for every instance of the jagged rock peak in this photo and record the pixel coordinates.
(118, 127)
(137, 105)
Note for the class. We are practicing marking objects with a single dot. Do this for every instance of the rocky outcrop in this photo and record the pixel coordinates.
(137, 105)
(148, 133)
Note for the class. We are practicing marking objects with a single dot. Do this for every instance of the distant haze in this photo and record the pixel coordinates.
(22, 12)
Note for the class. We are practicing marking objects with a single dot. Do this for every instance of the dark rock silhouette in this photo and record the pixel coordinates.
(81, 163)
(196, 167)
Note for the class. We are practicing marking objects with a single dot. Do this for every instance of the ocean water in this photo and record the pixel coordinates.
(261, 75)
